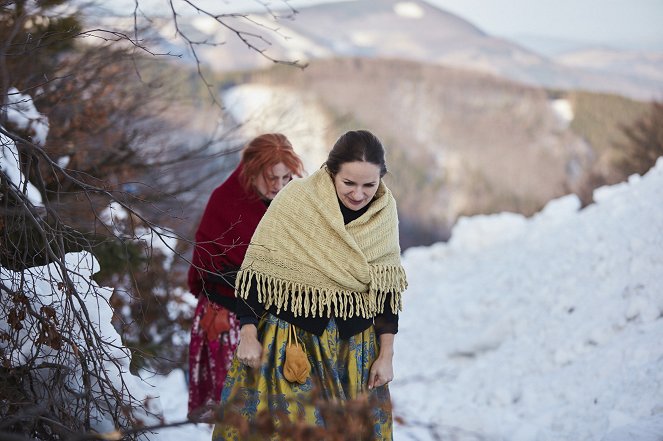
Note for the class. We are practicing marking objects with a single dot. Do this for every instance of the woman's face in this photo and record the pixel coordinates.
(268, 184)
(356, 183)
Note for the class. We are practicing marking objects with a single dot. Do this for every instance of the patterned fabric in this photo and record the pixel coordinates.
(339, 372)
(303, 256)
(209, 362)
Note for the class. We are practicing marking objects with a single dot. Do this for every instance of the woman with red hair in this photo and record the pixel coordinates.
(232, 214)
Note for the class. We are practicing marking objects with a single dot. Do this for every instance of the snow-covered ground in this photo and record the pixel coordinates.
(547, 328)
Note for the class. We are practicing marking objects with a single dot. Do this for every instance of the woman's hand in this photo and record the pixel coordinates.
(249, 350)
(382, 370)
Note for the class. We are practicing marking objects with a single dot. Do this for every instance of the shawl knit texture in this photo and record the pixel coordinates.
(303, 257)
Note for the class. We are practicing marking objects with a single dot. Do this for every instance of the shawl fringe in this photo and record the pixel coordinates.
(311, 301)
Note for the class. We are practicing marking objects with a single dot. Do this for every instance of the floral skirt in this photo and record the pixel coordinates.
(209, 362)
(333, 403)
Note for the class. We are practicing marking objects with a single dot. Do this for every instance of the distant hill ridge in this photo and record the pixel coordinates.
(417, 31)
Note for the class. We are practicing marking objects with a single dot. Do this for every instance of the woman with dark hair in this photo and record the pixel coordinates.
(231, 216)
(322, 273)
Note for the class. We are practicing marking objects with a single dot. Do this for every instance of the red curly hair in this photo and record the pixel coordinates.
(265, 151)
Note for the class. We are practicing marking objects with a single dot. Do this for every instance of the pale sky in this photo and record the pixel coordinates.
(630, 24)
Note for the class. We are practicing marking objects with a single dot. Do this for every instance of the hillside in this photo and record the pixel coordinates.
(459, 142)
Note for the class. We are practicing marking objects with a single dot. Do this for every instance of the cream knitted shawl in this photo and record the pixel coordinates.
(303, 258)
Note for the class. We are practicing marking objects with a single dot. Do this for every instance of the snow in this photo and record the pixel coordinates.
(92, 301)
(563, 109)
(174, 396)
(265, 109)
(113, 215)
(22, 114)
(408, 10)
(543, 328)
(10, 165)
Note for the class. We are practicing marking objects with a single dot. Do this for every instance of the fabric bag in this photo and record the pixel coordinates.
(296, 367)
(215, 321)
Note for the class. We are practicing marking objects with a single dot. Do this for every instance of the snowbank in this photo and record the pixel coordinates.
(545, 328)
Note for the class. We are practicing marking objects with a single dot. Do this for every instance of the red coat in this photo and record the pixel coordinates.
(230, 218)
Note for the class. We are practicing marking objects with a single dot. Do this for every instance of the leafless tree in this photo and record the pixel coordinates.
(110, 141)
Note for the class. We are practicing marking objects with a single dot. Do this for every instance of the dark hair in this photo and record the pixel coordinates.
(264, 152)
(356, 145)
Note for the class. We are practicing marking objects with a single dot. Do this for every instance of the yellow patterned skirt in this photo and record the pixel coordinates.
(333, 403)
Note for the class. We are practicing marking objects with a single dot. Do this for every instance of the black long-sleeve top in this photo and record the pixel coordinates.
(250, 310)
(228, 280)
